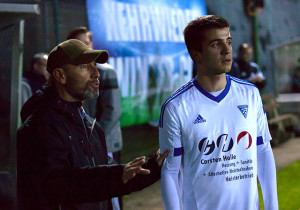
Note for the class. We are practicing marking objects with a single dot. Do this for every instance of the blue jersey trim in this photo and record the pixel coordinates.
(259, 140)
(240, 81)
(178, 151)
(172, 97)
(210, 96)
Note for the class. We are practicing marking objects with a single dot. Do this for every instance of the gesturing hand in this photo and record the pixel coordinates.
(161, 157)
(134, 167)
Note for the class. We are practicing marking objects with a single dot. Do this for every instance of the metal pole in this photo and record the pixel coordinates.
(56, 21)
(15, 99)
(272, 52)
(46, 25)
(255, 38)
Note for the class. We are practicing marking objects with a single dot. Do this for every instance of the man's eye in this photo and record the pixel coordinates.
(83, 66)
(216, 44)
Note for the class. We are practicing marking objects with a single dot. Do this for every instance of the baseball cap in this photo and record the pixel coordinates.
(74, 52)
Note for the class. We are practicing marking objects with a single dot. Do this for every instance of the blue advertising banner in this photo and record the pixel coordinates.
(146, 45)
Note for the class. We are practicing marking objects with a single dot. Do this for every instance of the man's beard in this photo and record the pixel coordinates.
(89, 94)
(82, 93)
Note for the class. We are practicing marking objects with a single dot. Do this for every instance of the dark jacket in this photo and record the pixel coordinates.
(35, 81)
(244, 70)
(61, 159)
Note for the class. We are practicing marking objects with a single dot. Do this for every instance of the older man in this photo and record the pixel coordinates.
(61, 151)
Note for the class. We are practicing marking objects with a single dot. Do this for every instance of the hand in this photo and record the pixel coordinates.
(256, 79)
(134, 167)
(161, 157)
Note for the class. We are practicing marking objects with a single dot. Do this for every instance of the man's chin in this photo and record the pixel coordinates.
(227, 71)
(91, 95)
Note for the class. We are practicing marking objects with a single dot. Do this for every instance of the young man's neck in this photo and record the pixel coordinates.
(212, 83)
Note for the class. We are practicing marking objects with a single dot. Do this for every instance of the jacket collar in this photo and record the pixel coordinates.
(54, 101)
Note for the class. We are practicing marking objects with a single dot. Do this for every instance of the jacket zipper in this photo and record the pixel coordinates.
(88, 141)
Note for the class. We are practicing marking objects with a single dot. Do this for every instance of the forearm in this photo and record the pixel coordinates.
(170, 191)
(267, 175)
(97, 184)
(170, 184)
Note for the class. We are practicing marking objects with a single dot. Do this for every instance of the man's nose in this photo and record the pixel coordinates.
(227, 49)
(94, 71)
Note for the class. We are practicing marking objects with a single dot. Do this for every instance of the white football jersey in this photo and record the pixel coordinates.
(217, 138)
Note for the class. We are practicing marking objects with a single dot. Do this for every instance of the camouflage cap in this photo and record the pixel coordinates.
(74, 52)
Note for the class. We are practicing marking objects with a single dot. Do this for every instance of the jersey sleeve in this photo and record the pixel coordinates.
(170, 139)
(263, 133)
(169, 131)
(266, 172)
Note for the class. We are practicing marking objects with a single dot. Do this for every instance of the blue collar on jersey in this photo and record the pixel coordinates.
(210, 96)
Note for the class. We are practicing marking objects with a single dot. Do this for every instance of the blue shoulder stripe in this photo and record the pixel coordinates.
(178, 92)
(240, 81)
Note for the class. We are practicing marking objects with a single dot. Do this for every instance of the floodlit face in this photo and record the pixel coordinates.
(246, 54)
(216, 55)
(85, 38)
(82, 81)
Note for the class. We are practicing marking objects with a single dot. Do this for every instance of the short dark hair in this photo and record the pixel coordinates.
(194, 31)
(77, 31)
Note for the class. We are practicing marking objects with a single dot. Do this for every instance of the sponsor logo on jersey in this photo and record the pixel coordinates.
(244, 110)
(199, 119)
(223, 142)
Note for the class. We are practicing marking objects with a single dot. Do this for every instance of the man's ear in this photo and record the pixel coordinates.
(35, 66)
(60, 75)
(197, 56)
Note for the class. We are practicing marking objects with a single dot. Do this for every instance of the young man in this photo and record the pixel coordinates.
(61, 151)
(244, 69)
(107, 107)
(216, 130)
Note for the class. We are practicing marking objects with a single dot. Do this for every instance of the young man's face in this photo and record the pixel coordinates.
(82, 81)
(216, 55)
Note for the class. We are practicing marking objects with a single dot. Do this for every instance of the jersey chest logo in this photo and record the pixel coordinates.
(223, 142)
(199, 119)
(243, 109)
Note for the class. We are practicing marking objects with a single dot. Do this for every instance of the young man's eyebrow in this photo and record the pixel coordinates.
(214, 40)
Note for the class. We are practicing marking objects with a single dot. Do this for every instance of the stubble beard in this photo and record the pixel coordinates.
(87, 93)
(82, 93)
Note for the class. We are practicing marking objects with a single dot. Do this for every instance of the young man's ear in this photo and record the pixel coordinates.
(197, 56)
(59, 75)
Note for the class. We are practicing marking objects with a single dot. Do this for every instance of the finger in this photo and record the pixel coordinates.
(158, 152)
(131, 173)
(139, 170)
(136, 160)
(139, 158)
(143, 171)
(138, 164)
(162, 157)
